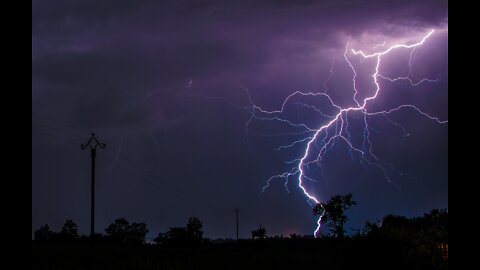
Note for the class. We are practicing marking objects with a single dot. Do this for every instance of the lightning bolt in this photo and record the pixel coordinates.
(323, 138)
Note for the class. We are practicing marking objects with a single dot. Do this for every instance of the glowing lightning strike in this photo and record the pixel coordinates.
(339, 122)
(323, 139)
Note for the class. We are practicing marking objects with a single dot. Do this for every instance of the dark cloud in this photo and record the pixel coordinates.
(163, 82)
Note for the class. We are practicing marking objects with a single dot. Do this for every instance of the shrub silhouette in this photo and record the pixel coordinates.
(43, 235)
(191, 234)
(121, 231)
(259, 233)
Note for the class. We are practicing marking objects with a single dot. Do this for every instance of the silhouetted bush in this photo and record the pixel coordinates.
(259, 233)
(43, 235)
(122, 232)
(191, 234)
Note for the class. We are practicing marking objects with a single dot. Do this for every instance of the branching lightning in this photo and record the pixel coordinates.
(323, 138)
(319, 140)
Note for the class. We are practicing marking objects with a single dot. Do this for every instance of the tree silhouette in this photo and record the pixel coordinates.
(194, 229)
(162, 238)
(333, 213)
(118, 230)
(191, 234)
(424, 239)
(44, 234)
(259, 233)
(177, 235)
(121, 231)
(137, 234)
(69, 231)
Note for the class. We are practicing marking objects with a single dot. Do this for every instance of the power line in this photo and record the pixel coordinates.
(151, 175)
(146, 178)
(141, 172)
(54, 136)
(148, 175)
(58, 129)
(85, 132)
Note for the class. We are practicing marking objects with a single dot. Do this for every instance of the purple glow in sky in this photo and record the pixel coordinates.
(170, 87)
(340, 120)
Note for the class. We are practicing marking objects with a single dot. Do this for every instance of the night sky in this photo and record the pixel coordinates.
(163, 84)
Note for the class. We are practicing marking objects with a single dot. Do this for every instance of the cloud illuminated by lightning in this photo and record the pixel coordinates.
(336, 128)
(319, 140)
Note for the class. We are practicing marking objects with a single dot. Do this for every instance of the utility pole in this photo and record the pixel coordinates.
(93, 143)
(236, 210)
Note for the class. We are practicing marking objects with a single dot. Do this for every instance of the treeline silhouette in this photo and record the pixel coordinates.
(121, 232)
(395, 242)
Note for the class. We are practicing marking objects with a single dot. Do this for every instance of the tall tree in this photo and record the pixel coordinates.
(191, 234)
(44, 234)
(118, 230)
(69, 231)
(261, 232)
(137, 233)
(194, 229)
(121, 231)
(334, 213)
